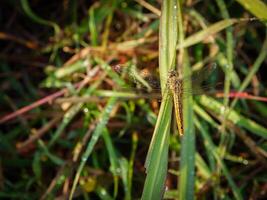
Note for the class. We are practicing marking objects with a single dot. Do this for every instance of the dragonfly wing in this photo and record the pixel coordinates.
(201, 89)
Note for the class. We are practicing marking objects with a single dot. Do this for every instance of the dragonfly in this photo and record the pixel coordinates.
(175, 88)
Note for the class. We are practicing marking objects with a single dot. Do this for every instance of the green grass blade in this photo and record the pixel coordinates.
(113, 158)
(55, 159)
(79, 66)
(157, 157)
(92, 26)
(253, 70)
(233, 116)
(223, 63)
(204, 115)
(229, 68)
(68, 116)
(168, 39)
(261, 108)
(204, 34)
(124, 176)
(212, 148)
(256, 7)
(131, 166)
(229, 53)
(95, 136)
(203, 169)
(187, 164)
(26, 7)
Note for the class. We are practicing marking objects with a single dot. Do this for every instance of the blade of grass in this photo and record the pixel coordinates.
(260, 59)
(92, 26)
(114, 161)
(233, 116)
(50, 155)
(256, 7)
(261, 108)
(105, 36)
(224, 137)
(131, 165)
(79, 66)
(68, 116)
(222, 62)
(157, 157)
(212, 148)
(168, 37)
(26, 7)
(71, 113)
(187, 164)
(229, 55)
(204, 115)
(202, 167)
(124, 174)
(204, 34)
(103, 119)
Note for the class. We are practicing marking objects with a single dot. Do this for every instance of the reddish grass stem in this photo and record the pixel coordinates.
(39, 102)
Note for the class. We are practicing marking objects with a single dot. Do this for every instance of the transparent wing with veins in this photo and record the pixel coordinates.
(150, 85)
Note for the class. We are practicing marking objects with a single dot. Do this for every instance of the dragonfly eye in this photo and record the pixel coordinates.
(173, 73)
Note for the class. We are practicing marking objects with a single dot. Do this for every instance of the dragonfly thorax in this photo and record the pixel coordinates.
(173, 81)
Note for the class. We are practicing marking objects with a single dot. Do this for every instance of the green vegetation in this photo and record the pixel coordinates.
(73, 126)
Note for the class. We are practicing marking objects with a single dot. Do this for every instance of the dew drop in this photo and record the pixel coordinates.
(222, 109)
(86, 62)
(103, 192)
(190, 158)
(166, 188)
(214, 66)
(84, 159)
(118, 170)
(245, 162)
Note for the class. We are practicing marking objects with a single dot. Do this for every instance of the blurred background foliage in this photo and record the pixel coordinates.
(70, 120)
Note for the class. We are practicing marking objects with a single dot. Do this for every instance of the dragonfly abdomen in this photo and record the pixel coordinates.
(175, 86)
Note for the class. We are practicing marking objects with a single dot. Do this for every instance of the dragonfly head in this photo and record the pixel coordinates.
(173, 74)
(172, 79)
